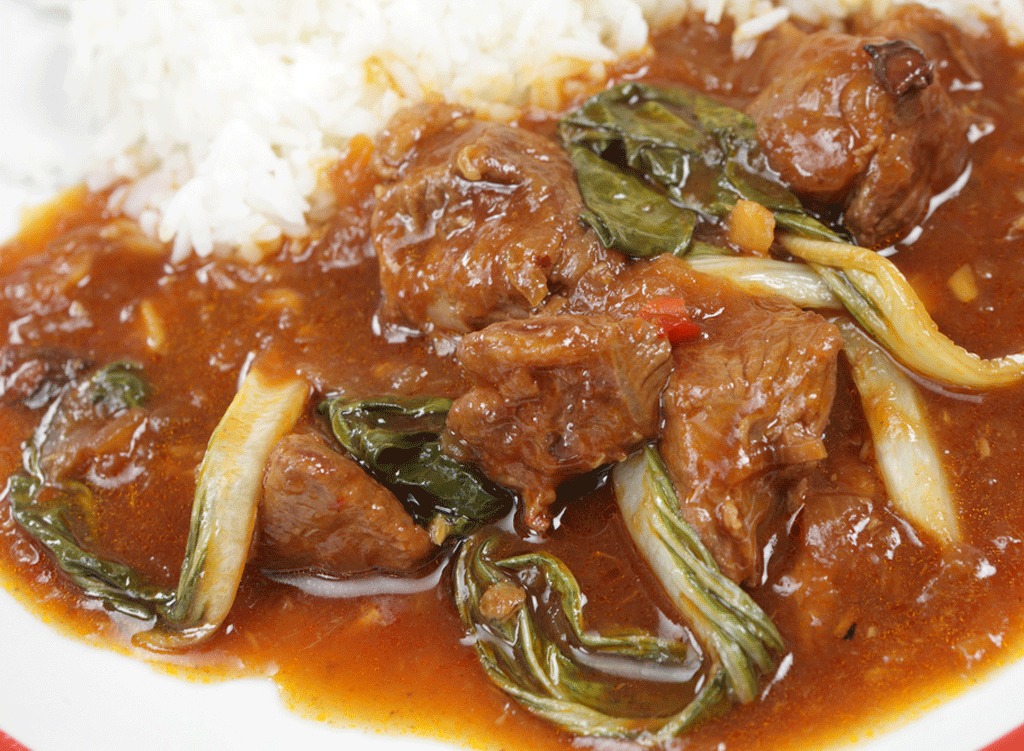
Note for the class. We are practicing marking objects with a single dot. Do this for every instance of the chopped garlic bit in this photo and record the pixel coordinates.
(153, 327)
(751, 227)
(962, 284)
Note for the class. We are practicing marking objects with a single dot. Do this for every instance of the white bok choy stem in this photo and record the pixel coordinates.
(224, 510)
(904, 447)
(736, 633)
(875, 293)
(762, 276)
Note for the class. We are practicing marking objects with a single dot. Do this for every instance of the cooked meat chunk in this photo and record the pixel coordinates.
(754, 397)
(33, 377)
(476, 222)
(843, 533)
(749, 397)
(556, 396)
(865, 123)
(320, 510)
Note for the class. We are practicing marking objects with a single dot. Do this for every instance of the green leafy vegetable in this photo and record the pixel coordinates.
(701, 153)
(45, 506)
(738, 635)
(557, 673)
(120, 385)
(396, 438)
(537, 649)
(628, 214)
(118, 586)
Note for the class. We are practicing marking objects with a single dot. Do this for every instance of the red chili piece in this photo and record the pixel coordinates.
(671, 316)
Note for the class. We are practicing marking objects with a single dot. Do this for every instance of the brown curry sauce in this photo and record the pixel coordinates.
(340, 660)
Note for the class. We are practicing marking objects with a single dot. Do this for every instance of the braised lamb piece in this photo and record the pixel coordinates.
(747, 399)
(867, 122)
(320, 510)
(556, 396)
(755, 397)
(35, 376)
(476, 222)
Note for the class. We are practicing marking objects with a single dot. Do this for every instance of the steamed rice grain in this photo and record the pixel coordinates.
(219, 115)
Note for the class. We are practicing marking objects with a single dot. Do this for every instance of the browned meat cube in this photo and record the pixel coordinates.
(874, 127)
(753, 397)
(320, 510)
(845, 533)
(476, 222)
(556, 396)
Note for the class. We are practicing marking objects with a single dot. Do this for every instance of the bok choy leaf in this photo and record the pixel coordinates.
(740, 638)
(765, 276)
(701, 153)
(628, 214)
(876, 294)
(120, 385)
(397, 440)
(224, 509)
(45, 506)
(556, 673)
(904, 448)
(536, 648)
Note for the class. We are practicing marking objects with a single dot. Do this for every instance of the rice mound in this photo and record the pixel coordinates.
(220, 114)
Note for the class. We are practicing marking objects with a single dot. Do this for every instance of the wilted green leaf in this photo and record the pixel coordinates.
(397, 439)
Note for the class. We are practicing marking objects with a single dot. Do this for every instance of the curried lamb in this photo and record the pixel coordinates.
(320, 510)
(476, 222)
(556, 396)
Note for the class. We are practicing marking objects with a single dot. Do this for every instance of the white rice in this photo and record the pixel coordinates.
(220, 113)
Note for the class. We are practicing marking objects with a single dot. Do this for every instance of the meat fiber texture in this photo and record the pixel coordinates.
(555, 396)
(320, 510)
(476, 222)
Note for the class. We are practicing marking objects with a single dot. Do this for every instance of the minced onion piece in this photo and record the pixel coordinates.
(904, 448)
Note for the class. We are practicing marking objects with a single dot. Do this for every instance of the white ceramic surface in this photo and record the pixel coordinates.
(58, 694)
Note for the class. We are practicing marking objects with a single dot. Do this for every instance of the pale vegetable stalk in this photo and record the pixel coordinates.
(224, 510)
(875, 293)
(904, 447)
(738, 635)
(765, 276)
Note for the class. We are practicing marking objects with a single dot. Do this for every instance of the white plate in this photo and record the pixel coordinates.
(57, 694)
